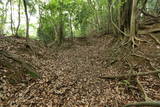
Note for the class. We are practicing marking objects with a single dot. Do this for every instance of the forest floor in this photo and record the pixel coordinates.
(70, 74)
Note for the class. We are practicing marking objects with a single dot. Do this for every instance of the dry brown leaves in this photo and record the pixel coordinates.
(70, 76)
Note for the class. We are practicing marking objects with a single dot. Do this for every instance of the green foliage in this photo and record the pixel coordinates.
(76, 17)
(79, 17)
(21, 31)
(45, 32)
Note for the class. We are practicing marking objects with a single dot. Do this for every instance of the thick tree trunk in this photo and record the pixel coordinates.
(133, 19)
(126, 16)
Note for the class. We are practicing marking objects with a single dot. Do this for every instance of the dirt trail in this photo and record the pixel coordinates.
(70, 74)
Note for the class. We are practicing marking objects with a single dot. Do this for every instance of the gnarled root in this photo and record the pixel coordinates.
(133, 39)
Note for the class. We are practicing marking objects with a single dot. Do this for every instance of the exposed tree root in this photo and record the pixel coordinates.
(130, 40)
(28, 46)
(130, 75)
(141, 40)
(147, 31)
(146, 58)
(133, 40)
(142, 90)
(141, 56)
(141, 104)
(149, 27)
(157, 40)
(29, 68)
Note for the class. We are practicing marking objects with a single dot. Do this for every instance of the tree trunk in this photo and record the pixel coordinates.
(61, 32)
(126, 16)
(19, 18)
(11, 17)
(133, 19)
(70, 24)
(27, 20)
(110, 27)
(60, 25)
(4, 18)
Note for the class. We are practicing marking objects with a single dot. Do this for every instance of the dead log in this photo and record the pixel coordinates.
(129, 75)
(29, 68)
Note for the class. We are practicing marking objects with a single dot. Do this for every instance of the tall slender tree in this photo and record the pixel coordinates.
(11, 17)
(27, 20)
(19, 17)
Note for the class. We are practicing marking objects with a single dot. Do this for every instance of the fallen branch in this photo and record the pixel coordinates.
(29, 68)
(140, 104)
(130, 75)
